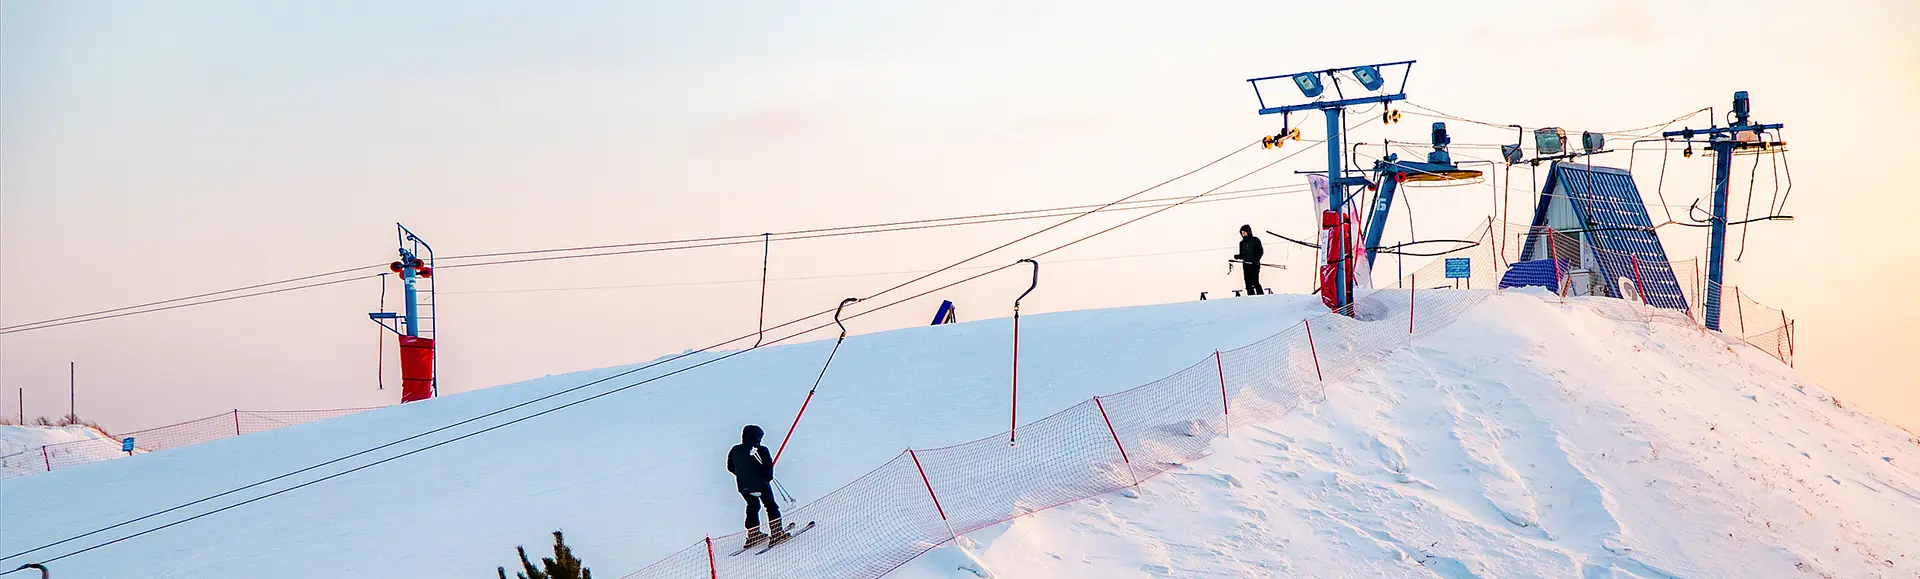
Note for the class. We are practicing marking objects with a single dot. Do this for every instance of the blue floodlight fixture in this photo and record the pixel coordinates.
(1593, 142)
(1369, 77)
(1314, 84)
(1309, 84)
(1549, 141)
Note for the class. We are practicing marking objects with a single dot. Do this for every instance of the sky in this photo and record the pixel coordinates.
(151, 150)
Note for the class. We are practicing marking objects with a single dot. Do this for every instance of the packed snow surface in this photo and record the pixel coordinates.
(1531, 438)
(15, 439)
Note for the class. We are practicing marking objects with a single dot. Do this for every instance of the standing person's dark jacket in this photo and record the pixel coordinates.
(1250, 251)
(749, 462)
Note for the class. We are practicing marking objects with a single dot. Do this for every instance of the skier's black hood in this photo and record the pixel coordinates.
(1247, 229)
(751, 435)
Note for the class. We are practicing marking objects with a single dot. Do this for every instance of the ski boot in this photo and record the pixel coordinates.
(755, 537)
(779, 533)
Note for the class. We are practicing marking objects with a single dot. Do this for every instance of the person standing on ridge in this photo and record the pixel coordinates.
(753, 474)
(1250, 254)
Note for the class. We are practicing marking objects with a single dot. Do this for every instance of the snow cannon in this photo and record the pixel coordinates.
(415, 326)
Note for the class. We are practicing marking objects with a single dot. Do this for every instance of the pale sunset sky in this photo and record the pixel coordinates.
(151, 150)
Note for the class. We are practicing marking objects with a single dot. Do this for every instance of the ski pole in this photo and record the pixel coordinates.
(782, 489)
(816, 379)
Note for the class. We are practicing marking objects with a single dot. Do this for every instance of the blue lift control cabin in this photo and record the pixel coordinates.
(1591, 230)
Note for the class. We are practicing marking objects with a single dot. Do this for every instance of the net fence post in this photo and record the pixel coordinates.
(1740, 311)
(1315, 352)
(1786, 326)
(713, 569)
(1116, 443)
(936, 498)
(1226, 416)
(45, 458)
(236, 422)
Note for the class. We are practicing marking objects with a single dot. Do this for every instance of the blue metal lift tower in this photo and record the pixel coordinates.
(1738, 135)
(1313, 84)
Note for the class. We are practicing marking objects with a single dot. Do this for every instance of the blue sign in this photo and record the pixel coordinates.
(1459, 267)
(126, 444)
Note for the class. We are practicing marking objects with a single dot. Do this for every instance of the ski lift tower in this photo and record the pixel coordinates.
(1313, 84)
(415, 327)
(1738, 135)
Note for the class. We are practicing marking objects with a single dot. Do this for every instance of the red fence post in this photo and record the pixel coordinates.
(1411, 287)
(236, 422)
(1788, 328)
(1639, 286)
(1312, 350)
(713, 571)
(936, 498)
(1224, 411)
(1116, 443)
(923, 480)
(1740, 312)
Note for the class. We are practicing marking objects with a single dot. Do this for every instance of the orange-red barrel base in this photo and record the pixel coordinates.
(416, 368)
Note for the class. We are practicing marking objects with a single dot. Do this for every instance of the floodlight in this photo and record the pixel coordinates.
(1511, 153)
(1369, 77)
(1549, 141)
(1592, 141)
(1309, 84)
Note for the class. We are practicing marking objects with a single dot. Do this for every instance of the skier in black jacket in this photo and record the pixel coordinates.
(1250, 254)
(752, 472)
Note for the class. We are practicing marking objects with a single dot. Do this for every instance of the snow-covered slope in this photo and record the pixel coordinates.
(15, 439)
(1531, 438)
(630, 477)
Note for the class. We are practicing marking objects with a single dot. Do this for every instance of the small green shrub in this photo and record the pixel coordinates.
(562, 565)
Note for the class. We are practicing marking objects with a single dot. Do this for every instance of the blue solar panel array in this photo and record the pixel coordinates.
(1619, 230)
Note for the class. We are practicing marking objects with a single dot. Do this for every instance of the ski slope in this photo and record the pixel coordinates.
(1530, 438)
(15, 438)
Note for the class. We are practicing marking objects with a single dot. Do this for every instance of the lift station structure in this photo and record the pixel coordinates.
(1343, 250)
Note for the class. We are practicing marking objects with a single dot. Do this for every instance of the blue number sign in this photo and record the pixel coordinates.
(1459, 267)
(126, 444)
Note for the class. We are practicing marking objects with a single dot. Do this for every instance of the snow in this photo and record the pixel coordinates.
(1531, 438)
(14, 439)
(1568, 445)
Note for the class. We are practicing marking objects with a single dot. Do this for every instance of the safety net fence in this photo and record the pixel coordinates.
(1676, 286)
(926, 497)
(226, 424)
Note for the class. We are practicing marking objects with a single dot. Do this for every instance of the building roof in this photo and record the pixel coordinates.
(1617, 228)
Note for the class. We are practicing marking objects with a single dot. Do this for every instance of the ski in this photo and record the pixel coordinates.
(790, 536)
(763, 538)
